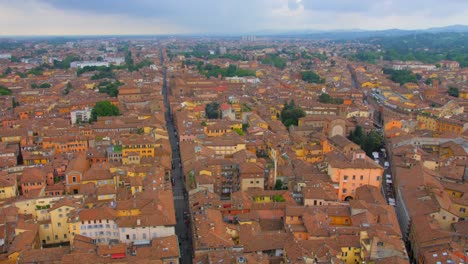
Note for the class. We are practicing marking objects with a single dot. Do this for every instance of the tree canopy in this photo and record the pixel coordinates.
(5, 91)
(275, 60)
(213, 70)
(453, 91)
(371, 142)
(291, 113)
(41, 86)
(104, 108)
(327, 99)
(312, 77)
(213, 110)
(110, 88)
(401, 76)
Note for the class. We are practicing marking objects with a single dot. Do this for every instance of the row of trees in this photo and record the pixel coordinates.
(327, 99)
(5, 91)
(41, 86)
(214, 70)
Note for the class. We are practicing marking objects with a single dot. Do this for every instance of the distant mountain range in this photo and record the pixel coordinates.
(357, 33)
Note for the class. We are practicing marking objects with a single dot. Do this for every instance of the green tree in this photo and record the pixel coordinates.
(14, 103)
(453, 91)
(276, 61)
(104, 108)
(239, 131)
(278, 184)
(371, 142)
(213, 111)
(278, 198)
(110, 88)
(312, 77)
(401, 76)
(68, 88)
(327, 99)
(7, 71)
(5, 91)
(291, 113)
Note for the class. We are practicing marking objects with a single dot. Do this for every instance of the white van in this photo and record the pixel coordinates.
(386, 164)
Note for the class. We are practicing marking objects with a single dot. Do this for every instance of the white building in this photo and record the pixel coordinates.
(96, 223)
(115, 60)
(142, 229)
(81, 115)
(5, 56)
(82, 64)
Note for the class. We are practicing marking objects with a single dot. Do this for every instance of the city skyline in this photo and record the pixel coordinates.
(124, 17)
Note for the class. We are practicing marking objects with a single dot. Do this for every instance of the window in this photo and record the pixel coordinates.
(345, 177)
(354, 177)
(133, 236)
(380, 244)
(73, 179)
(64, 235)
(378, 178)
(127, 236)
(362, 177)
(462, 210)
(144, 236)
(345, 190)
(59, 224)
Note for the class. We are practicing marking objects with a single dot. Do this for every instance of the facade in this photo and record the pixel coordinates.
(348, 175)
(81, 116)
(82, 64)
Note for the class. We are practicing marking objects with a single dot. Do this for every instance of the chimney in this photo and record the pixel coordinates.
(138, 222)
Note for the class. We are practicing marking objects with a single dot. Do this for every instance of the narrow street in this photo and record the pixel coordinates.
(183, 230)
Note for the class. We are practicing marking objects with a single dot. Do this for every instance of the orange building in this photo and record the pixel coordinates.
(74, 173)
(347, 174)
(451, 125)
(32, 180)
(66, 144)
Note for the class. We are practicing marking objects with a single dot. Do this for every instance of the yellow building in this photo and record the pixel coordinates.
(56, 229)
(142, 144)
(8, 186)
(350, 255)
(428, 121)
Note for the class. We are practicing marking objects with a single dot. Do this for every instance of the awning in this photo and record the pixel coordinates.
(118, 256)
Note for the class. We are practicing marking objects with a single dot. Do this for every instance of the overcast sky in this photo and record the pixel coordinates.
(89, 17)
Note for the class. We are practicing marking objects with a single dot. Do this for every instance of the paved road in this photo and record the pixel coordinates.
(183, 230)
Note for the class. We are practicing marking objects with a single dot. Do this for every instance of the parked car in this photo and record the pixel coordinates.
(386, 164)
(375, 155)
(388, 176)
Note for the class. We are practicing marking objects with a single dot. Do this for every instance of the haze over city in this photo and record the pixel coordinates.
(115, 17)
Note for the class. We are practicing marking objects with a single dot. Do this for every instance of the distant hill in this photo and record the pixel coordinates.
(358, 33)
